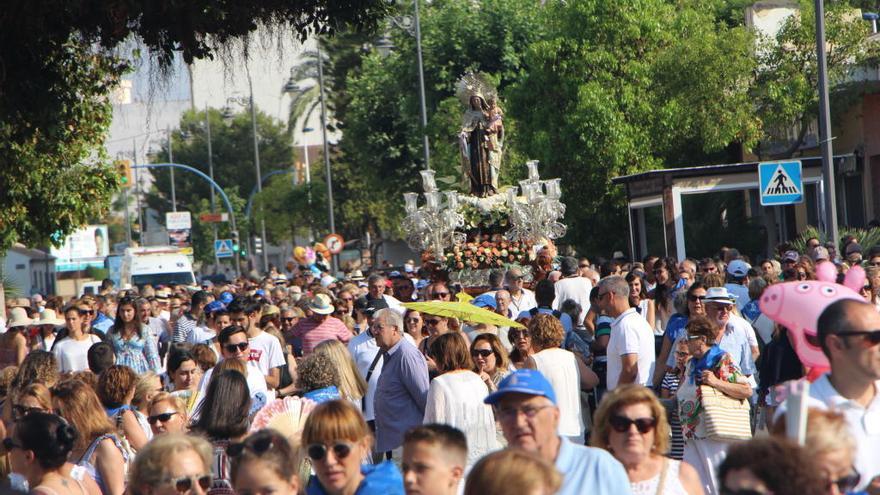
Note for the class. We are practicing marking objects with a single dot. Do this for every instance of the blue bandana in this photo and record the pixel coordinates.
(707, 362)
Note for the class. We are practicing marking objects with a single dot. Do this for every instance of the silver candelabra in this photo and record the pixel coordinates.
(432, 226)
(538, 217)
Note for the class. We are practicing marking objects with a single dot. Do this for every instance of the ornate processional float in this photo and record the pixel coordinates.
(495, 226)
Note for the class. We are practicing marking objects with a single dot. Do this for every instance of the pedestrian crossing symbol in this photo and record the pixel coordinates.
(223, 248)
(781, 183)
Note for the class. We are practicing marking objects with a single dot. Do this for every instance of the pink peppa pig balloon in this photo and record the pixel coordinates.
(798, 305)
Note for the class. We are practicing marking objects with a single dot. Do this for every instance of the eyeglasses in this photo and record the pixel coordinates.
(288, 319)
(693, 298)
(9, 444)
(257, 445)
(318, 451)
(185, 483)
(164, 417)
(869, 338)
(621, 424)
(528, 411)
(722, 308)
(484, 353)
(240, 347)
(847, 483)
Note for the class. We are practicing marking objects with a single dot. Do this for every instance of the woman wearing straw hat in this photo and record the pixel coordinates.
(13, 343)
(46, 325)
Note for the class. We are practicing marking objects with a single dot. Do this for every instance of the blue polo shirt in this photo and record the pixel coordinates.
(589, 470)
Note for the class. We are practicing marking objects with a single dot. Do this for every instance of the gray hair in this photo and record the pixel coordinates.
(390, 317)
(680, 303)
(756, 287)
(615, 284)
(375, 277)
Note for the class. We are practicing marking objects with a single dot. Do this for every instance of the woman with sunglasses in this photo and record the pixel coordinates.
(39, 449)
(686, 305)
(490, 359)
(167, 414)
(132, 341)
(522, 347)
(337, 440)
(435, 326)
(172, 464)
(711, 366)
(414, 325)
(631, 424)
(265, 463)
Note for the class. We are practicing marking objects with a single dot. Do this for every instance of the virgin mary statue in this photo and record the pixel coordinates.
(481, 136)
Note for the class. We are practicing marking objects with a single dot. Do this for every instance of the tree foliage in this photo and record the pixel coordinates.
(58, 65)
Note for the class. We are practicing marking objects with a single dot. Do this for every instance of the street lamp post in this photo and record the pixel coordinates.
(825, 128)
(211, 174)
(171, 160)
(227, 112)
(413, 26)
(326, 153)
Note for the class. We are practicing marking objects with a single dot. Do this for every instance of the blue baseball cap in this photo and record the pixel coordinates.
(523, 381)
(226, 297)
(214, 306)
(485, 301)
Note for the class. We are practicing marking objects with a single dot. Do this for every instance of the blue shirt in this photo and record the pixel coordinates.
(589, 470)
(379, 479)
(401, 394)
(736, 343)
(102, 323)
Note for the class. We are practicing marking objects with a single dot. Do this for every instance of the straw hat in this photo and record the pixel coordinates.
(49, 317)
(18, 318)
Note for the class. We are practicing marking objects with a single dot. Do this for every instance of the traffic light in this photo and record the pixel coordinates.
(123, 169)
(235, 245)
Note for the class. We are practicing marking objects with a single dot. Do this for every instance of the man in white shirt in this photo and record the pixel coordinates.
(521, 299)
(849, 336)
(72, 351)
(265, 350)
(572, 286)
(631, 345)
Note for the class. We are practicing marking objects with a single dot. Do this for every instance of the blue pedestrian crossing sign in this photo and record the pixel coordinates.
(223, 248)
(781, 183)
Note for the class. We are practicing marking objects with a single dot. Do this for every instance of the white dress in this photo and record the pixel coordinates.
(560, 369)
(456, 399)
(671, 484)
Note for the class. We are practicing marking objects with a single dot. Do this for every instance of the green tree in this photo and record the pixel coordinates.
(232, 151)
(375, 98)
(611, 90)
(785, 90)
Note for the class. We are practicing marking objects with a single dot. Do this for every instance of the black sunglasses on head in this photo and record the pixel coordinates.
(318, 451)
(847, 483)
(241, 346)
(257, 444)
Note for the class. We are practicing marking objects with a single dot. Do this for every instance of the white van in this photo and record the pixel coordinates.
(161, 265)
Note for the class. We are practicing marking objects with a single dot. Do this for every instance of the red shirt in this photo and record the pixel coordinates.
(313, 333)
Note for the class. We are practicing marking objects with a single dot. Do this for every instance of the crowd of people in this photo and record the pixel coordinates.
(656, 376)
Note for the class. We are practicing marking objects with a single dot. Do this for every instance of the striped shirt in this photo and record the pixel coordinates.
(313, 333)
(670, 382)
(183, 327)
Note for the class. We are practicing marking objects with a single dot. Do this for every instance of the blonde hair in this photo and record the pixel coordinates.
(497, 472)
(334, 420)
(627, 395)
(81, 408)
(176, 402)
(143, 388)
(39, 392)
(546, 331)
(149, 467)
(230, 364)
(827, 431)
(351, 384)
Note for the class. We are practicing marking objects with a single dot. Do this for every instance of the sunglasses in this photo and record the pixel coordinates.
(164, 417)
(847, 483)
(440, 295)
(431, 321)
(621, 424)
(22, 411)
(483, 353)
(516, 334)
(288, 319)
(696, 298)
(185, 483)
(86, 313)
(414, 320)
(318, 451)
(240, 347)
(869, 338)
(801, 275)
(9, 444)
(258, 445)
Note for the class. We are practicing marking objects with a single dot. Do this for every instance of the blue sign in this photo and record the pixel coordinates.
(223, 248)
(781, 183)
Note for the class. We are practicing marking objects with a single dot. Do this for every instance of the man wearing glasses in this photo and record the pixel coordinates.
(732, 338)
(849, 336)
(525, 405)
(521, 299)
(234, 345)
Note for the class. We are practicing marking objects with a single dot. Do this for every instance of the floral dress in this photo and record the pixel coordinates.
(138, 353)
(690, 406)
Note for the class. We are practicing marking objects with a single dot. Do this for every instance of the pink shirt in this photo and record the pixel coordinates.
(313, 333)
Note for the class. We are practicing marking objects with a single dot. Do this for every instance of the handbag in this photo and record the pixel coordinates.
(724, 417)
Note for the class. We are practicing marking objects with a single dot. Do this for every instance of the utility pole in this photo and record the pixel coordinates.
(825, 138)
(137, 191)
(211, 174)
(259, 175)
(171, 160)
(335, 261)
